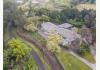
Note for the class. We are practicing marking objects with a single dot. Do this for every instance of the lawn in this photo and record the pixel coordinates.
(38, 37)
(69, 62)
(88, 56)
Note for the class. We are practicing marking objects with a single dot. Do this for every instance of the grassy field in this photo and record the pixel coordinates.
(38, 37)
(69, 62)
(89, 57)
(86, 6)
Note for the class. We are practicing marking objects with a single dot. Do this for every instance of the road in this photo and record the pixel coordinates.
(48, 56)
(38, 61)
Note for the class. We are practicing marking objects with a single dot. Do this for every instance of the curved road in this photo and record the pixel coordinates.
(49, 57)
(41, 66)
(33, 53)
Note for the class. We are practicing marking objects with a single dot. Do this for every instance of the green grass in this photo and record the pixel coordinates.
(30, 64)
(38, 37)
(69, 62)
(88, 56)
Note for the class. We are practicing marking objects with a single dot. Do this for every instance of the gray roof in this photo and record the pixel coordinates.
(65, 25)
(68, 35)
(48, 26)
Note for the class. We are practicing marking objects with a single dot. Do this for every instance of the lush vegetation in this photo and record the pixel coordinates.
(85, 52)
(71, 15)
(29, 18)
(53, 42)
(17, 53)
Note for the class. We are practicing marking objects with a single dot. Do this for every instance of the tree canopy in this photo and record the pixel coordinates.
(53, 42)
(17, 49)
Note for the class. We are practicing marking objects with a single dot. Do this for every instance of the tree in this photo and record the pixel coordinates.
(17, 49)
(55, 17)
(90, 19)
(42, 11)
(68, 13)
(30, 25)
(75, 23)
(14, 13)
(44, 18)
(9, 10)
(53, 42)
(84, 48)
(16, 53)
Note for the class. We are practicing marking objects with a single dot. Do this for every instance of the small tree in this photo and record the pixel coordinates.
(30, 25)
(84, 48)
(17, 49)
(16, 53)
(44, 18)
(53, 42)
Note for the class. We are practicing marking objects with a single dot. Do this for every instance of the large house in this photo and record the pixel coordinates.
(70, 37)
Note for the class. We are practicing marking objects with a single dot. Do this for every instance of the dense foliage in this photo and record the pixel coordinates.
(84, 48)
(70, 15)
(15, 52)
(53, 42)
